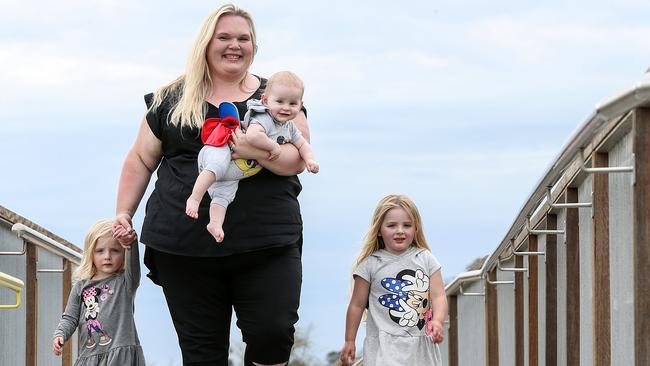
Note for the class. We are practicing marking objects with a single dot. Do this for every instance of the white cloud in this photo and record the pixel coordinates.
(540, 39)
(61, 75)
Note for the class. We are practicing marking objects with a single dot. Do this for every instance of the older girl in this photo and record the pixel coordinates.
(400, 283)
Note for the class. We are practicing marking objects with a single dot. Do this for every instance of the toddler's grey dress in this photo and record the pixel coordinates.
(103, 311)
(398, 302)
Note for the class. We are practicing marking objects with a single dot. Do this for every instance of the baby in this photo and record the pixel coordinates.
(268, 123)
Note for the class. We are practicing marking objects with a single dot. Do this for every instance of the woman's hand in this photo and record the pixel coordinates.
(348, 353)
(288, 163)
(275, 153)
(242, 149)
(123, 230)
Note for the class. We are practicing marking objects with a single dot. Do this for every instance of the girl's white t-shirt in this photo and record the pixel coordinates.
(397, 307)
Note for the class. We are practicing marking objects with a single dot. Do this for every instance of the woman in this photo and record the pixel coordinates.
(257, 268)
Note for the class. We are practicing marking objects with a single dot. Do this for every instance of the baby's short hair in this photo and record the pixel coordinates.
(285, 78)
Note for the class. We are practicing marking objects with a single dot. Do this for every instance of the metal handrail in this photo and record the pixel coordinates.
(463, 277)
(511, 269)
(16, 253)
(549, 199)
(46, 243)
(487, 279)
(612, 107)
(572, 205)
(460, 290)
(545, 232)
(541, 231)
(13, 284)
(515, 252)
(618, 105)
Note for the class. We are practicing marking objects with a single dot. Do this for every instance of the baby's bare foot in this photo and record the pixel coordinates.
(192, 208)
(216, 231)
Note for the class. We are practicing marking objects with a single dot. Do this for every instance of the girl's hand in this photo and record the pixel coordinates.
(348, 353)
(58, 345)
(434, 327)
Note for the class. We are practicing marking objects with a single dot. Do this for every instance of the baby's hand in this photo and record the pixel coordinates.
(312, 166)
(58, 345)
(275, 153)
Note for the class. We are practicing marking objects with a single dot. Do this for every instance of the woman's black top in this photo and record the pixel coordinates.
(264, 214)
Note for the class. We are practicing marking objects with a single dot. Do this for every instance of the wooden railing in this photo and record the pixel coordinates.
(568, 283)
(36, 258)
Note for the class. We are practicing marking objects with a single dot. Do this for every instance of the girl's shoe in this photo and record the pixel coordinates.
(90, 343)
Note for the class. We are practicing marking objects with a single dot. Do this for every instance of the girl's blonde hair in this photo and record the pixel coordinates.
(189, 91)
(373, 242)
(101, 229)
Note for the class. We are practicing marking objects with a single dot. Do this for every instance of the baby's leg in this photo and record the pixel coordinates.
(215, 227)
(222, 193)
(203, 182)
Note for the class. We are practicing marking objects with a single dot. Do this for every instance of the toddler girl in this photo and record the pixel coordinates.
(101, 301)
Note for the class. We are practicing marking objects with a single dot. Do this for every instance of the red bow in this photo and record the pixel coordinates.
(217, 131)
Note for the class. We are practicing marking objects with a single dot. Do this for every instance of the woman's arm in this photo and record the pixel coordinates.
(256, 136)
(288, 163)
(141, 161)
(357, 305)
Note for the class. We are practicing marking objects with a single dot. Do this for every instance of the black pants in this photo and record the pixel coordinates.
(262, 286)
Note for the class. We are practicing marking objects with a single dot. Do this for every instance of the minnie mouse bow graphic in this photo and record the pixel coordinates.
(217, 131)
(408, 300)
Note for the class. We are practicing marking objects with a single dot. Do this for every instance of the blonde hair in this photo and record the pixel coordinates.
(373, 242)
(287, 78)
(100, 229)
(189, 91)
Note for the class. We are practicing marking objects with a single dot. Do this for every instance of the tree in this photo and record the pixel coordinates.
(333, 357)
(301, 353)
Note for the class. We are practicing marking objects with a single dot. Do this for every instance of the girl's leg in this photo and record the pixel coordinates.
(199, 304)
(266, 295)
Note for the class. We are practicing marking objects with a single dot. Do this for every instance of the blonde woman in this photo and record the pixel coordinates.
(204, 281)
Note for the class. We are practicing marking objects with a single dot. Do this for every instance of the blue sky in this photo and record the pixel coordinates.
(461, 105)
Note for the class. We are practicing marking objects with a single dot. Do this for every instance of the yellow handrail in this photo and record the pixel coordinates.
(14, 284)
